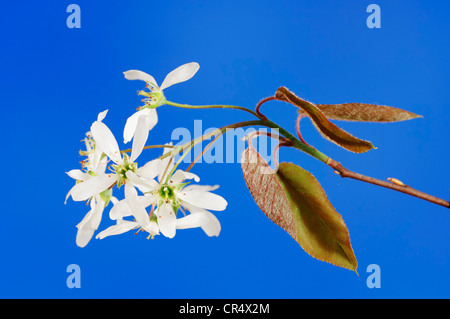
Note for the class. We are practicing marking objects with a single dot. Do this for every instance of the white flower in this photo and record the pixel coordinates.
(131, 203)
(155, 97)
(95, 185)
(94, 180)
(91, 221)
(168, 198)
(93, 166)
(123, 163)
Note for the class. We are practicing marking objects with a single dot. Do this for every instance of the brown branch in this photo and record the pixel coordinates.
(400, 187)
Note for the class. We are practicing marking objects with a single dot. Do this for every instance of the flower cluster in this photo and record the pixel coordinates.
(156, 192)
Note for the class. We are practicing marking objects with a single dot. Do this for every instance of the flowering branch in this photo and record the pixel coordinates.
(289, 195)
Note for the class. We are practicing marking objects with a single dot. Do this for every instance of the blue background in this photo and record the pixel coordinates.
(55, 81)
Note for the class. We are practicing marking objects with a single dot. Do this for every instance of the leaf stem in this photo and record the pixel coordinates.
(297, 143)
(187, 106)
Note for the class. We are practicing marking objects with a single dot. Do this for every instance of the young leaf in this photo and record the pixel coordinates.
(266, 190)
(329, 130)
(361, 112)
(321, 231)
(294, 200)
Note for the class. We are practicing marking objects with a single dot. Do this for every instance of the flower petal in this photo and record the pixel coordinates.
(78, 175)
(152, 118)
(90, 223)
(140, 138)
(144, 185)
(136, 206)
(166, 220)
(91, 187)
(68, 194)
(204, 219)
(120, 228)
(119, 210)
(180, 74)
(101, 116)
(101, 165)
(203, 199)
(150, 170)
(139, 75)
(179, 176)
(152, 228)
(122, 208)
(132, 122)
(203, 188)
(105, 140)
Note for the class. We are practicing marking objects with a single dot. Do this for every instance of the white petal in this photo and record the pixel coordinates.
(204, 188)
(179, 176)
(87, 216)
(119, 210)
(150, 170)
(89, 224)
(101, 116)
(140, 138)
(118, 229)
(166, 220)
(148, 200)
(122, 208)
(93, 218)
(91, 187)
(144, 185)
(139, 75)
(207, 221)
(100, 168)
(78, 175)
(152, 118)
(136, 206)
(180, 74)
(152, 228)
(105, 140)
(96, 162)
(68, 194)
(114, 200)
(132, 122)
(203, 199)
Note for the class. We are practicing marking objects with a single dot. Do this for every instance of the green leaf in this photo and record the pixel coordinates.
(328, 130)
(321, 231)
(361, 112)
(294, 200)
